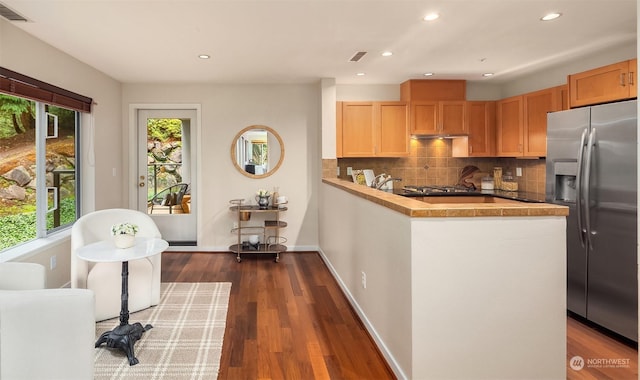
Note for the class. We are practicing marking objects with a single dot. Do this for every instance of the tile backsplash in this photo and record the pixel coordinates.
(430, 162)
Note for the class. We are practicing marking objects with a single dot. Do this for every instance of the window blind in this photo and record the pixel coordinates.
(14, 83)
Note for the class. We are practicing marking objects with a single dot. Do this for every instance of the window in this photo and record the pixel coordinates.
(38, 169)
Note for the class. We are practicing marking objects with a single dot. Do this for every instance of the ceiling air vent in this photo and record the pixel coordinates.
(9, 14)
(358, 56)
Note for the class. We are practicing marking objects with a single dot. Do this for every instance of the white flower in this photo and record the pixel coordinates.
(262, 193)
(125, 228)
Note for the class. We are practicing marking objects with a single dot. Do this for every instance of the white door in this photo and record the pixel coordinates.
(166, 172)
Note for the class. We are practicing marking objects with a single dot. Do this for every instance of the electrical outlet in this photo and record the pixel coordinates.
(349, 170)
(338, 171)
(53, 262)
(364, 280)
(235, 224)
(518, 172)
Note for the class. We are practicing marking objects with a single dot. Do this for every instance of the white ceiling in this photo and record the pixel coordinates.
(300, 41)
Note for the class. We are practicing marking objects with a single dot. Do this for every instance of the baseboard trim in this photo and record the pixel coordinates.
(222, 249)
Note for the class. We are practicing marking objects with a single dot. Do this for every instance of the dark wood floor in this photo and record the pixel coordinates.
(291, 321)
(286, 320)
(590, 342)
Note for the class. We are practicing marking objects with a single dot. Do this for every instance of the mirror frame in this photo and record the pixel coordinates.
(235, 142)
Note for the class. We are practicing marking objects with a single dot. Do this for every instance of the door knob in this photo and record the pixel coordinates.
(141, 184)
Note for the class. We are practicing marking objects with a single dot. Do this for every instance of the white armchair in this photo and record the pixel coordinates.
(105, 278)
(44, 333)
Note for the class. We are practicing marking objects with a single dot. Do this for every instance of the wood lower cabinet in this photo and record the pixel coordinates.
(481, 122)
(372, 129)
(603, 84)
(439, 118)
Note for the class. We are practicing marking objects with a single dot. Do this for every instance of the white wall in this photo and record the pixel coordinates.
(328, 105)
(291, 110)
(352, 92)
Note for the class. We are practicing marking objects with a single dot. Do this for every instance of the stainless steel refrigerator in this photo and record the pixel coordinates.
(591, 167)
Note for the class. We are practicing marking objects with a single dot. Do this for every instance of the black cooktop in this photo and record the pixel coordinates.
(431, 189)
(443, 190)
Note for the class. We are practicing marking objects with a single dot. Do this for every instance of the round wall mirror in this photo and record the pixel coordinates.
(257, 151)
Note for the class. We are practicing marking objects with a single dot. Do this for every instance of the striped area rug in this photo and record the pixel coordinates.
(185, 341)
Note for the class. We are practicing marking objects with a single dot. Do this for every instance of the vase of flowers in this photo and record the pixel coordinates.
(262, 197)
(124, 234)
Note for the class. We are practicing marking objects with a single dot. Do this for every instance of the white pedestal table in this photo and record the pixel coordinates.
(124, 335)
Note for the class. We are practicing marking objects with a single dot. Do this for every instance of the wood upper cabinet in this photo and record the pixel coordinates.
(536, 107)
(438, 107)
(509, 127)
(603, 84)
(355, 129)
(439, 117)
(453, 117)
(424, 118)
(562, 97)
(433, 89)
(633, 78)
(393, 129)
(522, 123)
(481, 122)
(372, 129)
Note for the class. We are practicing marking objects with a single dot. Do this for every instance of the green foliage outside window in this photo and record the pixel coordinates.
(164, 129)
(16, 115)
(19, 228)
(259, 153)
(164, 137)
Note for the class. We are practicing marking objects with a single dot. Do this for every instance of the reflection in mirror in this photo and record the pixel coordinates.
(257, 151)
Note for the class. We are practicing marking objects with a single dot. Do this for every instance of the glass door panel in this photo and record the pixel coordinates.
(165, 167)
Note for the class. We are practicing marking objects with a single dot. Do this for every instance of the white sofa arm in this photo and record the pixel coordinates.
(22, 276)
(47, 334)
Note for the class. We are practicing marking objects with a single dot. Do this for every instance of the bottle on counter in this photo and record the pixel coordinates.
(497, 178)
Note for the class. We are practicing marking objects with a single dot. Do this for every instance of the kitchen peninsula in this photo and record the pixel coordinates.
(452, 290)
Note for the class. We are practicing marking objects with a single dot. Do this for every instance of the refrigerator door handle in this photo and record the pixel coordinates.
(580, 202)
(587, 191)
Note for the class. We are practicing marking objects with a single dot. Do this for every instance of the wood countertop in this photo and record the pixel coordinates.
(454, 206)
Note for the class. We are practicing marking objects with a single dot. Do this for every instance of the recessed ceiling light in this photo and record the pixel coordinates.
(551, 16)
(360, 74)
(204, 56)
(387, 54)
(431, 17)
(487, 74)
(428, 74)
